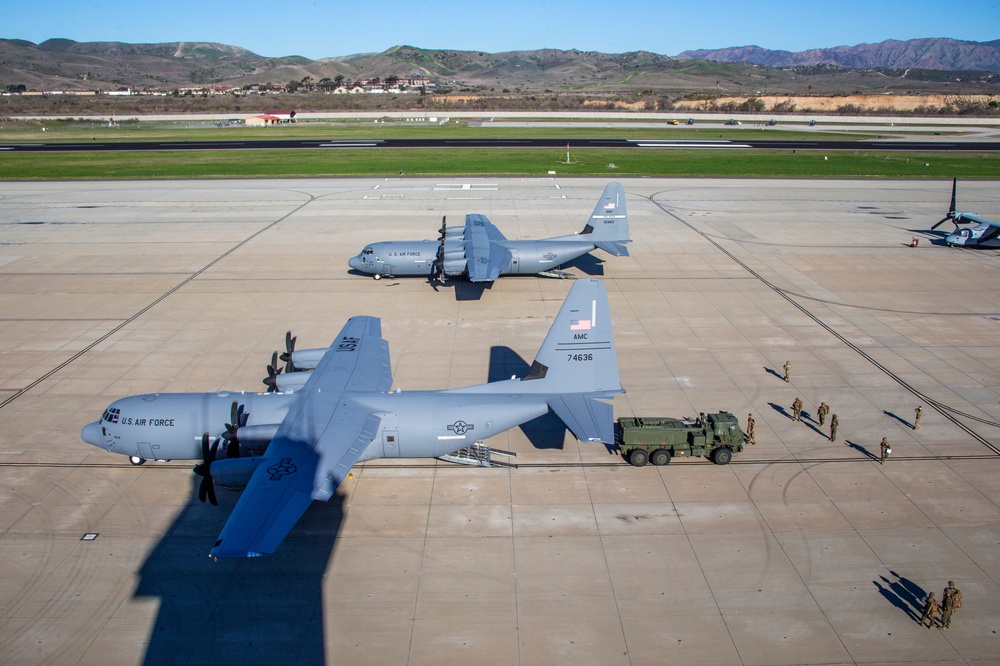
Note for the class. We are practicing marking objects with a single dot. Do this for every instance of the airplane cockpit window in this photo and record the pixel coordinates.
(367, 251)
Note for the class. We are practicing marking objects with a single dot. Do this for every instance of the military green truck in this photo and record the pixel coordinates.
(715, 436)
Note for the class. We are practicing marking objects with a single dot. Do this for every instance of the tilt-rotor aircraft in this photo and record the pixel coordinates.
(985, 234)
(295, 445)
(479, 252)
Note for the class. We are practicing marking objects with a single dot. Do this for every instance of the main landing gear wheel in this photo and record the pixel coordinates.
(660, 457)
(136, 460)
(638, 457)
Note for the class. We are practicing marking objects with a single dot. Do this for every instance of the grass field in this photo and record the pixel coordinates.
(457, 162)
(493, 162)
(130, 130)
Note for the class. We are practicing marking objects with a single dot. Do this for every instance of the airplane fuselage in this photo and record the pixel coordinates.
(416, 258)
(984, 235)
(413, 424)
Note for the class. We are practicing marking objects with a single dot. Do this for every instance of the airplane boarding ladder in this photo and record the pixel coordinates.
(479, 455)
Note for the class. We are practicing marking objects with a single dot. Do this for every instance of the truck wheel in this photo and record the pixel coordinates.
(660, 457)
(722, 455)
(638, 457)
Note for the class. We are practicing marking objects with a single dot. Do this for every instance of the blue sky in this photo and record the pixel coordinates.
(318, 29)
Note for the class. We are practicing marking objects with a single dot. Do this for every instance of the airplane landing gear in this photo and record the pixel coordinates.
(136, 460)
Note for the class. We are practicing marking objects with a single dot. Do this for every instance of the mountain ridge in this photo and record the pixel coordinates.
(63, 64)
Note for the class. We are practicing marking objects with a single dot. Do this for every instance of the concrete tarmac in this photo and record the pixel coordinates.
(802, 551)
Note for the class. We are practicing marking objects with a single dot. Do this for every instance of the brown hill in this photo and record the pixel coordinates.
(61, 64)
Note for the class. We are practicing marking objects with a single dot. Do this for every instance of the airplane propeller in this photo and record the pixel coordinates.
(206, 489)
(951, 209)
(289, 350)
(237, 419)
(272, 373)
(437, 268)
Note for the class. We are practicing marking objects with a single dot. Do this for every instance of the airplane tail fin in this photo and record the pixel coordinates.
(608, 224)
(577, 366)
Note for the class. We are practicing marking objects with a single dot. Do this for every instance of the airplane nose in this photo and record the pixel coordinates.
(91, 434)
(355, 263)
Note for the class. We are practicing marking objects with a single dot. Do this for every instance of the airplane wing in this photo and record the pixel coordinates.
(486, 259)
(315, 446)
(967, 218)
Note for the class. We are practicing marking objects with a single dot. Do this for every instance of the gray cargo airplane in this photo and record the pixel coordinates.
(480, 253)
(294, 446)
(985, 234)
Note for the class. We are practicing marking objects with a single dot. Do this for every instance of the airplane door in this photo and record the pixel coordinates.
(390, 443)
(146, 451)
(513, 263)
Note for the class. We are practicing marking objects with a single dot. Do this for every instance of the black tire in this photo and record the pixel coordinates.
(660, 457)
(136, 460)
(638, 457)
(377, 276)
(722, 455)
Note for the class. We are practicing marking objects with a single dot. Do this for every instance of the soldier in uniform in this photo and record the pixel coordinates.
(884, 446)
(788, 370)
(797, 409)
(833, 428)
(930, 610)
(952, 600)
(822, 411)
(751, 429)
(919, 415)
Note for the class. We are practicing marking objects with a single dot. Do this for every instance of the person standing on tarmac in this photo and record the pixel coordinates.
(884, 446)
(797, 409)
(833, 428)
(751, 429)
(952, 600)
(930, 610)
(822, 411)
(788, 371)
(919, 411)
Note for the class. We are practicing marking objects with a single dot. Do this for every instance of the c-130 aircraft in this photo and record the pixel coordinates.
(291, 447)
(479, 252)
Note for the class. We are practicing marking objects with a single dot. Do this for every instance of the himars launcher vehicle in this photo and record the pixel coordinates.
(479, 252)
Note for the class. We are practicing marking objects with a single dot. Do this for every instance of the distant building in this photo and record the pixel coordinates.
(261, 121)
(282, 116)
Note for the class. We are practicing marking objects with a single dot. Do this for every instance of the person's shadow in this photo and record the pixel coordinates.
(772, 371)
(900, 419)
(902, 593)
(861, 449)
(262, 610)
(781, 410)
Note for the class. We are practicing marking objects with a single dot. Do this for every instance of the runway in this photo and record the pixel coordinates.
(802, 551)
(940, 144)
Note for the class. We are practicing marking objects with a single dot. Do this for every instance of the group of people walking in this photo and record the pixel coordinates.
(822, 412)
(952, 600)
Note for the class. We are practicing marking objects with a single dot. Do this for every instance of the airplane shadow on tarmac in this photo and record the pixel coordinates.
(545, 432)
(587, 263)
(263, 610)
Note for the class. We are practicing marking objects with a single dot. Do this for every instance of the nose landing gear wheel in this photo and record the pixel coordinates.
(136, 460)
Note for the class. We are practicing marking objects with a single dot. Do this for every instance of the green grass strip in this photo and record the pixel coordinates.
(494, 162)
